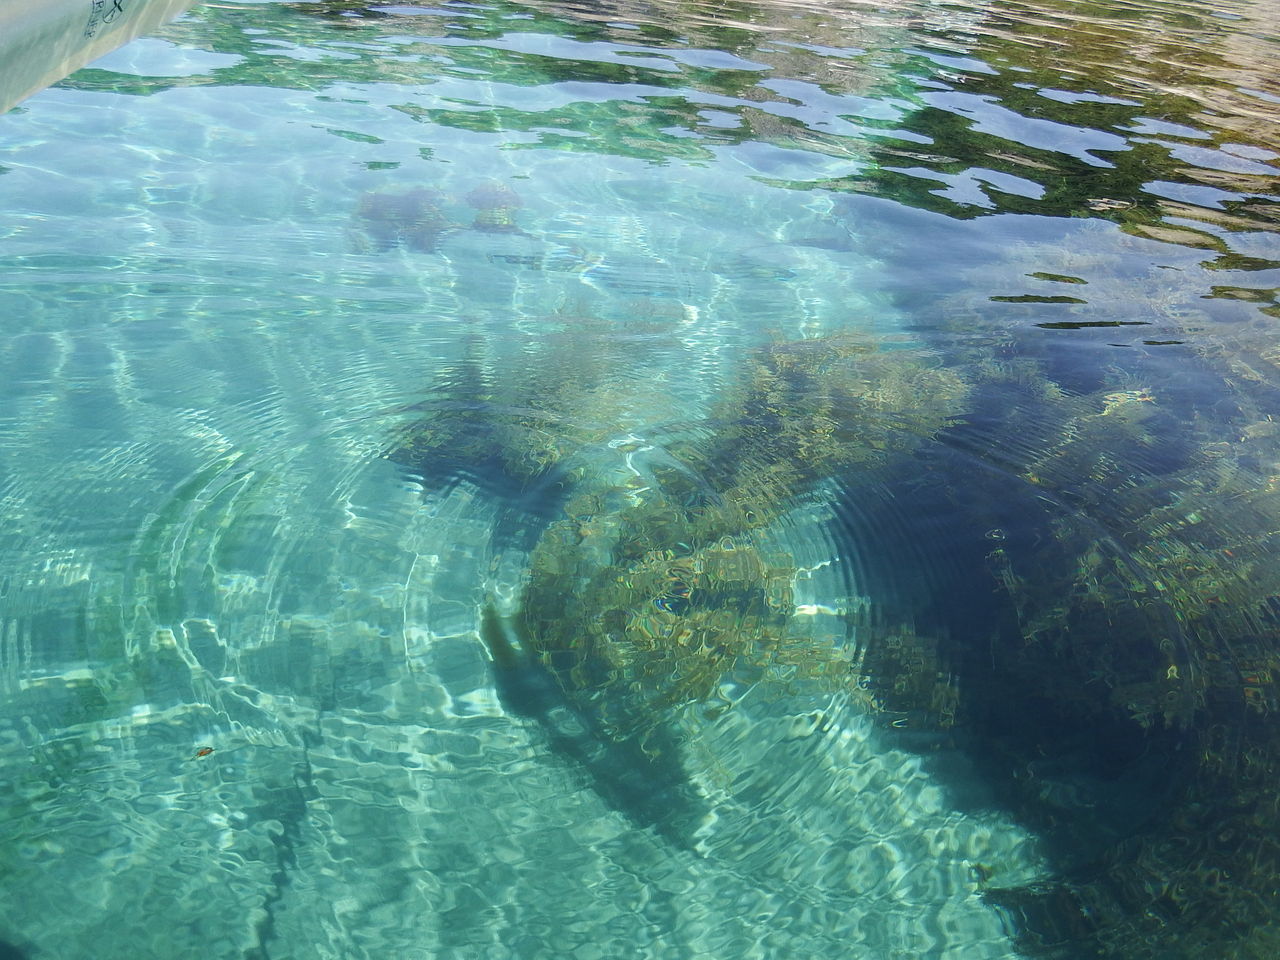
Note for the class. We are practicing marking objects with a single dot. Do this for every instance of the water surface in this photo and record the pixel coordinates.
(663, 480)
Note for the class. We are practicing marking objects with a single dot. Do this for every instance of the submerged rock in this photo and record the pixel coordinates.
(639, 773)
(495, 204)
(658, 579)
(1102, 642)
(412, 219)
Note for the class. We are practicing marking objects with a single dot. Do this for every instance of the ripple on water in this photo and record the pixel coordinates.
(873, 595)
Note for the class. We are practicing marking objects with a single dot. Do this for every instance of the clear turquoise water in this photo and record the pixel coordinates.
(1058, 280)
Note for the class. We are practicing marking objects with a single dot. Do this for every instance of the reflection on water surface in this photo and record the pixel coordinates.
(645, 479)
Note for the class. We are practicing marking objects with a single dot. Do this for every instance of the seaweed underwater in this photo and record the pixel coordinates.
(647, 588)
(1104, 646)
(1148, 598)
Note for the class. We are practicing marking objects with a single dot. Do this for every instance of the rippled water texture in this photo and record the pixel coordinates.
(645, 480)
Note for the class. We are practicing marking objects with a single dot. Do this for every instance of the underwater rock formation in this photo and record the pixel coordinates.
(418, 218)
(412, 219)
(495, 205)
(651, 585)
(638, 772)
(1114, 674)
(1102, 640)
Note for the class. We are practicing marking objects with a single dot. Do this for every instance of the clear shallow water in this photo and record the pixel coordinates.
(644, 481)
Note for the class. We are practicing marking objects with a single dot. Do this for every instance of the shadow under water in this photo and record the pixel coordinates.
(1122, 689)
(638, 773)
